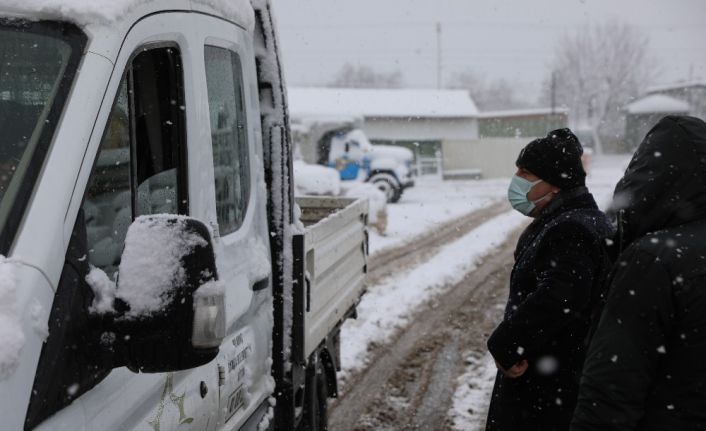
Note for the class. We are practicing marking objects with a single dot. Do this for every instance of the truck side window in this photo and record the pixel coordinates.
(231, 161)
(139, 170)
(143, 145)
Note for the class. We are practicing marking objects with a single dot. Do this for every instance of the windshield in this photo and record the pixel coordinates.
(37, 64)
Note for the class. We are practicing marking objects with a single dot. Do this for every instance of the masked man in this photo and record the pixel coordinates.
(560, 264)
(645, 367)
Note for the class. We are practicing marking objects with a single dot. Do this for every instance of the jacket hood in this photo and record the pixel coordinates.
(665, 183)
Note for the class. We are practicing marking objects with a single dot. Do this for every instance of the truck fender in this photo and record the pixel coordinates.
(383, 164)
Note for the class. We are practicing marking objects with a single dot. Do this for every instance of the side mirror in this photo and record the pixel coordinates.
(170, 312)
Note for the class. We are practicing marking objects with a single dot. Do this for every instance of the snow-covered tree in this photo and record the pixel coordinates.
(361, 76)
(488, 95)
(598, 70)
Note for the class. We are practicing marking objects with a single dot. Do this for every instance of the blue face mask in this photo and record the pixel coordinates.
(517, 194)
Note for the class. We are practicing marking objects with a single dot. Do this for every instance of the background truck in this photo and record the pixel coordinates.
(159, 274)
(341, 144)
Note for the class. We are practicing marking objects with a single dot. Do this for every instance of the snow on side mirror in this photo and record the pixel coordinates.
(169, 312)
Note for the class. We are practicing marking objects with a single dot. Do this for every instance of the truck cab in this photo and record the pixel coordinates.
(155, 274)
(340, 143)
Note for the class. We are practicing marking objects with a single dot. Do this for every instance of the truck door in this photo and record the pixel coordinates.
(139, 167)
(238, 199)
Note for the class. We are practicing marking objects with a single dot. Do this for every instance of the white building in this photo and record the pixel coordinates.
(423, 120)
(644, 113)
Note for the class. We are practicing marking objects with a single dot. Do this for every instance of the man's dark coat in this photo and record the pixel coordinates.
(646, 365)
(555, 286)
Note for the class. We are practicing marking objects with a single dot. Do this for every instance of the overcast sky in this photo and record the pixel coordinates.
(511, 39)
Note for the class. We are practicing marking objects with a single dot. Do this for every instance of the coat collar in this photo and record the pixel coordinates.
(578, 197)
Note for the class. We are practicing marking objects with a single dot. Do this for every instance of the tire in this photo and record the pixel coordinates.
(316, 403)
(388, 185)
(397, 196)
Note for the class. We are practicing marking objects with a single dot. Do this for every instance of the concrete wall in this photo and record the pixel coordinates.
(423, 129)
(495, 157)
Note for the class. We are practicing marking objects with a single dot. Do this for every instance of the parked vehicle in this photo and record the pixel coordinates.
(158, 277)
(341, 144)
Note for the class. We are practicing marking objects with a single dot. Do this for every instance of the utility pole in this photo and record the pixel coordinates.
(439, 80)
(553, 92)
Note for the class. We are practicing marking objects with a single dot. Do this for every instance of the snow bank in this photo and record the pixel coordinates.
(12, 338)
(389, 305)
(472, 396)
(84, 12)
(315, 180)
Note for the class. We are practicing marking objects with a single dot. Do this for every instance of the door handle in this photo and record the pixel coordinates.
(261, 284)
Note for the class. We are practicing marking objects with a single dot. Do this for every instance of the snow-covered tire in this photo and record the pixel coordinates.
(397, 196)
(387, 184)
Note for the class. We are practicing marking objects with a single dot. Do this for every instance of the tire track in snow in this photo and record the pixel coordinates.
(388, 262)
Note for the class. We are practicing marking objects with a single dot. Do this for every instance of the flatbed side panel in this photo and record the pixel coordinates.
(335, 264)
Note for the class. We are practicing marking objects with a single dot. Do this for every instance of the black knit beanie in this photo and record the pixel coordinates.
(556, 159)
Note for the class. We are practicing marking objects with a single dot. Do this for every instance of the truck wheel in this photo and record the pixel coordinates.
(398, 194)
(388, 185)
(316, 404)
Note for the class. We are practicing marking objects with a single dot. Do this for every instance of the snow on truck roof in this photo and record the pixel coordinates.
(658, 103)
(96, 12)
(384, 103)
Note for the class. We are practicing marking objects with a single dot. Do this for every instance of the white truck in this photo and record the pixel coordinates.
(159, 274)
(340, 143)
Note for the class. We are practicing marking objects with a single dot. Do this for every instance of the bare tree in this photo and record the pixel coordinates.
(361, 76)
(488, 95)
(598, 70)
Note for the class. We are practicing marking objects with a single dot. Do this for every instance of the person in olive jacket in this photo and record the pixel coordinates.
(646, 364)
(560, 265)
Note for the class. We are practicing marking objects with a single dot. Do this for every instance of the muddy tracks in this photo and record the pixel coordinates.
(410, 382)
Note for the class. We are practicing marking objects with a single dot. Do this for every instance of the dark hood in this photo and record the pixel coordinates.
(665, 183)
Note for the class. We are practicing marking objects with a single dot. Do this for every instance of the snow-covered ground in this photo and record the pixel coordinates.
(388, 305)
(432, 202)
